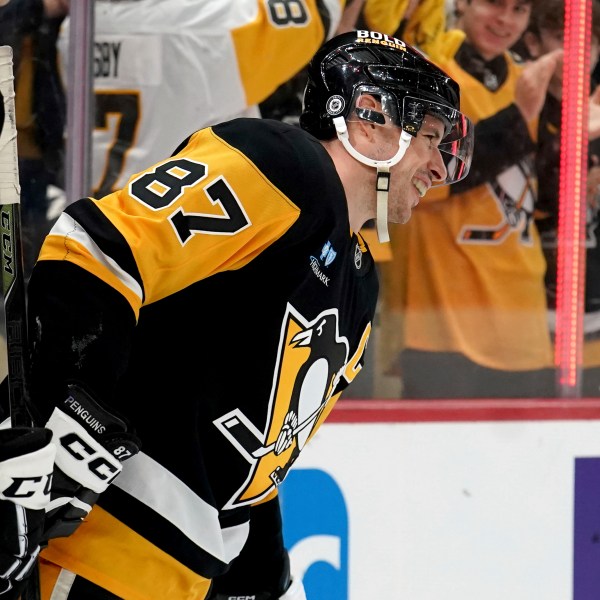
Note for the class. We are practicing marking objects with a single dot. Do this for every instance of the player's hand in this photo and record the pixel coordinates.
(91, 444)
(26, 463)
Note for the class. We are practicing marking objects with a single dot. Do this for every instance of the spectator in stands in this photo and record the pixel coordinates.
(417, 22)
(163, 70)
(544, 35)
(414, 21)
(469, 269)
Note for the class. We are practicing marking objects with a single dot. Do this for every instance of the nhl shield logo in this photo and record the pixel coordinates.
(357, 257)
(335, 105)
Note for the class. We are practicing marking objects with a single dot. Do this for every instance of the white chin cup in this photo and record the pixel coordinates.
(383, 172)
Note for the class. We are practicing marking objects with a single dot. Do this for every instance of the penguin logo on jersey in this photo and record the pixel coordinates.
(311, 360)
(514, 193)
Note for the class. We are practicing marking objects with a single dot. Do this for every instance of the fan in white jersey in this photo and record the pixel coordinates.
(162, 70)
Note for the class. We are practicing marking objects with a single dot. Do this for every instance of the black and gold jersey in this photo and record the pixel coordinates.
(474, 278)
(221, 303)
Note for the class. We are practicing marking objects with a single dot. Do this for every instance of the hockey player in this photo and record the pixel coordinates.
(191, 331)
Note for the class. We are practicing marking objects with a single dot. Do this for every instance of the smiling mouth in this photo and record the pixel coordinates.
(420, 186)
(499, 34)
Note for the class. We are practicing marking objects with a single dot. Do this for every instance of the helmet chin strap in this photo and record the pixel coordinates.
(383, 172)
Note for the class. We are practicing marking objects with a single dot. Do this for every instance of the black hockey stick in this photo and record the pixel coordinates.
(13, 283)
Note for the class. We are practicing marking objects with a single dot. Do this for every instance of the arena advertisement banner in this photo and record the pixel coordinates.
(447, 509)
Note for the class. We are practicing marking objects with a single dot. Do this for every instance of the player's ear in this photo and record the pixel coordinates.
(367, 101)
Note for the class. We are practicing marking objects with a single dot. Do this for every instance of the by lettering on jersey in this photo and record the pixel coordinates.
(379, 39)
(106, 59)
(328, 254)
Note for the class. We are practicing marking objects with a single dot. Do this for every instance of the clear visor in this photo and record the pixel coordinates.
(456, 147)
(457, 144)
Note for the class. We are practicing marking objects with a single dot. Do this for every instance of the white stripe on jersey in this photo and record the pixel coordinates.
(68, 227)
(150, 483)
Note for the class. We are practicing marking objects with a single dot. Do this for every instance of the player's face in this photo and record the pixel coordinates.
(493, 26)
(421, 166)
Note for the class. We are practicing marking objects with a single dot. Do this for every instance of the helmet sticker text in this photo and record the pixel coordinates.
(381, 39)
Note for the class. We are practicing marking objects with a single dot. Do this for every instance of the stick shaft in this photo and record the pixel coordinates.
(11, 253)
(11, 261)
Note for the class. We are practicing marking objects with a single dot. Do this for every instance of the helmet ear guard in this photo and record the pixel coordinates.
(368, 114)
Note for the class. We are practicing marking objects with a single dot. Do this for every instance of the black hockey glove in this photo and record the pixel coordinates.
(91, 444)
(26, 463)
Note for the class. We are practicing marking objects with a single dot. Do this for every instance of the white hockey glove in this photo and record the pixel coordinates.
(26, 463)
(91, 444)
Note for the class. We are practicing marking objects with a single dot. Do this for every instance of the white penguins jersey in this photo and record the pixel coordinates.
(162, 70)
